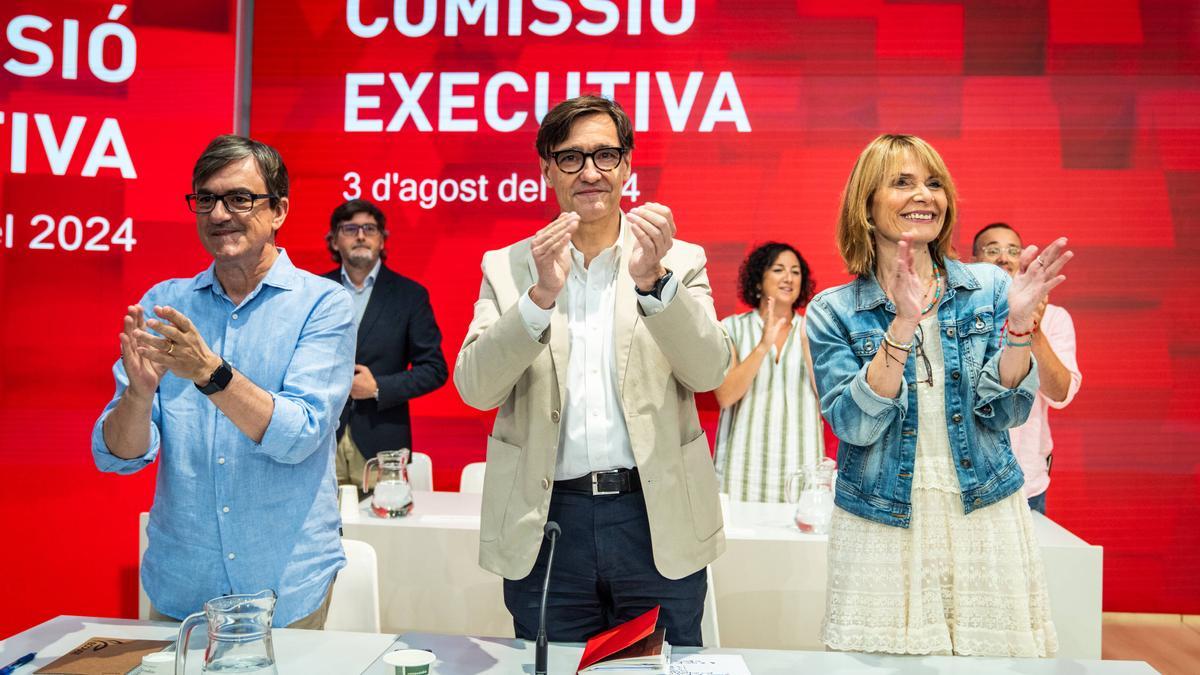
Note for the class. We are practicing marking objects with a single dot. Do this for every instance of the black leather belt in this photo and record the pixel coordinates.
(611, 482)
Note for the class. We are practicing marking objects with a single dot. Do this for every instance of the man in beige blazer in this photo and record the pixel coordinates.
(591, 338)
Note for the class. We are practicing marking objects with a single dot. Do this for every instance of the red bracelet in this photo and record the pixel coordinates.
(1031, 331)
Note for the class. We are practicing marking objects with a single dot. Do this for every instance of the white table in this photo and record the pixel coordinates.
(332, 653)
(296, 651)
(460, 655)
(769, 584)
(429, 574)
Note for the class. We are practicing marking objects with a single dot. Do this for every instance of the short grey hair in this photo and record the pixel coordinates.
(230, 148)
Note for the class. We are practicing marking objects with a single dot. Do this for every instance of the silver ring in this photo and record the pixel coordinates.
(1041, 262)
(170, 347)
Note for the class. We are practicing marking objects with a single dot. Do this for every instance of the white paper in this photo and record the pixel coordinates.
(710, 664)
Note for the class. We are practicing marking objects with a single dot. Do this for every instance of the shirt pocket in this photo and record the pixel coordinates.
(866, 343)
(499, 481)
(701, 482)
(975, 330)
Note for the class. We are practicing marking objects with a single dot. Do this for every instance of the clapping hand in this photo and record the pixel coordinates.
(1036, 276)
(905, 286)
(653, 228)
(181, 349)
(552, 257)
(772, 326)
(144, 374)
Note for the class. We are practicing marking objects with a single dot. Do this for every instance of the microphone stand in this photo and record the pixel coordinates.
(551, 530)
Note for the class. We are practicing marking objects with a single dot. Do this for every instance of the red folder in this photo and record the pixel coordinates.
(617, 638)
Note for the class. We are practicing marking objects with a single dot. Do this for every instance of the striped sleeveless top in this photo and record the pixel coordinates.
(776, 428)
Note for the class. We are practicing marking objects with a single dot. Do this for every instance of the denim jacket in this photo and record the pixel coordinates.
(878, 435)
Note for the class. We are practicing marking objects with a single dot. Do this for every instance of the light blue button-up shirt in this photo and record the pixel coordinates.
(361, 296)
(231, 515)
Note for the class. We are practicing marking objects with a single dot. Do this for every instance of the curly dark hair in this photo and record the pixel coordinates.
(755, 265)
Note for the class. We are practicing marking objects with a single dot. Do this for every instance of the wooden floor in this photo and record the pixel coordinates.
(1168, 642)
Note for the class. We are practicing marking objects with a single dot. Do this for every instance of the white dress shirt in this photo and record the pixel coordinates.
(594, 436)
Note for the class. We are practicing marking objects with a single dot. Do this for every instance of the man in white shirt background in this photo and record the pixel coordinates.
(1054, 348)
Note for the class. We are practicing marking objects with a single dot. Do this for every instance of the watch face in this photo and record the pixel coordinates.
(222, 375)
(661, 284)
(219, 380)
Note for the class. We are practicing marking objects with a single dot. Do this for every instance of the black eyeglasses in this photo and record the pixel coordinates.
(920, 347)
(235, 202)
(352, 229)
(572, 161)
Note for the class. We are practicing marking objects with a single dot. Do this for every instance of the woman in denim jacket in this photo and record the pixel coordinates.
(922, 365)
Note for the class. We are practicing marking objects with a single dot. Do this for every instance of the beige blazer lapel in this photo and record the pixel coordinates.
(560, 344)
(626, 310)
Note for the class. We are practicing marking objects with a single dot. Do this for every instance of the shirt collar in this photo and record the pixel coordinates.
(869, 294)
(959, 275)
(371, 276)
(617, 248)
(283, 275)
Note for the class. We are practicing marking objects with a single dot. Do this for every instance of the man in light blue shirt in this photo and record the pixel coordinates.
(234, 379)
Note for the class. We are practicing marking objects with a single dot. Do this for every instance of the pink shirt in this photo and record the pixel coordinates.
(1031, 441)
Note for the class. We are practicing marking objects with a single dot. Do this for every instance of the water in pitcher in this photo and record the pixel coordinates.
(392, 499)
(246, 665)
(814, 511)
(392, 496)
(814, 507)
(239, 635)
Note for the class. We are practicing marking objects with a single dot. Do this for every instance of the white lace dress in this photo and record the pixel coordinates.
(950, 583)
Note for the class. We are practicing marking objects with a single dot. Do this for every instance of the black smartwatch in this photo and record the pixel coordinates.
(657, 289)
(219, 380)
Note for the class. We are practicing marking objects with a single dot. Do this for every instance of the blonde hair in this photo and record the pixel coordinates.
(879, 160)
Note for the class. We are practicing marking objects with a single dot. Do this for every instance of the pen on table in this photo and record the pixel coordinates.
(12, 667)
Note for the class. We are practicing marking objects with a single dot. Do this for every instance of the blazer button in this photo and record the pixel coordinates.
(956, 418)
(955, 375)
(545, 483)
(978, 501)
(950, 331)
(554, 416)
(966, 463)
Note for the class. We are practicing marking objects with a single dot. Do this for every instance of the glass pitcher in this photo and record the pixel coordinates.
(239, 635)
(392, 496)
(814, 508)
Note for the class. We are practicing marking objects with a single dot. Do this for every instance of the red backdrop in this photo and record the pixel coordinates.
(73, 531)
(1052, 116)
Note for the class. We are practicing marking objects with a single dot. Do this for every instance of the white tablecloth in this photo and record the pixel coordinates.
(769, 584)
(300, 652)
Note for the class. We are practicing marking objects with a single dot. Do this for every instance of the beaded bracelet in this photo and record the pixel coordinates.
(1031, 331)
(891, 342)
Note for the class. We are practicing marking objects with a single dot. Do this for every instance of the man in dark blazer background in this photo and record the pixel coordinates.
(399, 350)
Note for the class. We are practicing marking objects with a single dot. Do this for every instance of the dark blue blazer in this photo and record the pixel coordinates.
(399, 341)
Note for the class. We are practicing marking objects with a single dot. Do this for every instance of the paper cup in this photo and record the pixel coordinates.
(410, 662)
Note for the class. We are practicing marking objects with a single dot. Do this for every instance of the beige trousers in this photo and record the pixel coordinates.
(348, 463)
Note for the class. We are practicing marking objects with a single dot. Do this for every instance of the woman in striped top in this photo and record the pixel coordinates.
(770, 424)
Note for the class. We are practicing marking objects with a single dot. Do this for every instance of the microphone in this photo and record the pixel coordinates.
(551, 530)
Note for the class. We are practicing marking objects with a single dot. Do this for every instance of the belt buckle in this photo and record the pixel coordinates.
(596, 491)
